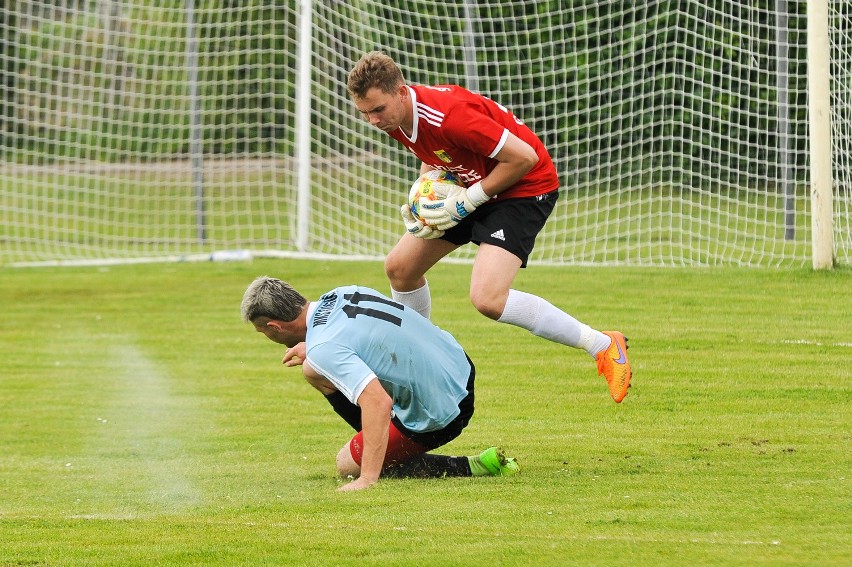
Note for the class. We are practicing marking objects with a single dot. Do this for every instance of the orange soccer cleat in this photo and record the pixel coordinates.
(614, 366)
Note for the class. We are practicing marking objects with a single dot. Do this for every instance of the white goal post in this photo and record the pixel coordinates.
(685, 133)
(819, 98)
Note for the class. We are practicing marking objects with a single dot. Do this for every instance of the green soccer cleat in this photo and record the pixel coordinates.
(495, 461)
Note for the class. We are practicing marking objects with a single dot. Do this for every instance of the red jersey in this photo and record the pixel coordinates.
(460, 131)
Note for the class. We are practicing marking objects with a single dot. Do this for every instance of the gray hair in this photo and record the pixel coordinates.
(271, 298)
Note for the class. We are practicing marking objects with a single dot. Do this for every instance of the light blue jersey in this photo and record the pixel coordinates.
(356, 332)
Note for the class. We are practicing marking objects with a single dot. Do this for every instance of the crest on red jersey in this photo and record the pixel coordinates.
(443, 156)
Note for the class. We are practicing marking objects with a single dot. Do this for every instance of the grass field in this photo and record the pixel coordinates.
(142, 423)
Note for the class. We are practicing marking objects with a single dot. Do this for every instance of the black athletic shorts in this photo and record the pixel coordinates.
(512, 224)
(434, 439)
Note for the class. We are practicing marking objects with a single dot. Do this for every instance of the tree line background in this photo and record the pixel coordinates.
(608, 85)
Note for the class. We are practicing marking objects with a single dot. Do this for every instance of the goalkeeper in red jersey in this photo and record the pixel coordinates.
(511, 189)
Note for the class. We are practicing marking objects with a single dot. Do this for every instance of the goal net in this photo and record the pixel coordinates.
(135, 130)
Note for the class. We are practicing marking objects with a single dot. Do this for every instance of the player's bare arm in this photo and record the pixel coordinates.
(516, 159)
(376, 407)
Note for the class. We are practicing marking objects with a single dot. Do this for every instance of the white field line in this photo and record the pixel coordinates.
(814, 343)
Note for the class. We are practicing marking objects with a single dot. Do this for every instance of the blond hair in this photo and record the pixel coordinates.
(374, 70)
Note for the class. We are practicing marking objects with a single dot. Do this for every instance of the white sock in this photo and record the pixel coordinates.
(419, 299)
(544, 320)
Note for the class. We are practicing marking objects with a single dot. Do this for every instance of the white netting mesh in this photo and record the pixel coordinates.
(840, 15)
(136, 129)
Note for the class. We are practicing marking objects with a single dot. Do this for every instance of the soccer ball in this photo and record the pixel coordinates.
(433, 185)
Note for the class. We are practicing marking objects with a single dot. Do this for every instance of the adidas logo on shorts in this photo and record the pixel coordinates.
(499, 235)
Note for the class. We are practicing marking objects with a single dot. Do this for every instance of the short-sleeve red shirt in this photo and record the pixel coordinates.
(460, 131)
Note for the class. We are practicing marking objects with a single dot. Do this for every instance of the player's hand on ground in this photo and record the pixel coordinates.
(295, 355)
(450, 211)
(359, 483)
(415, 227)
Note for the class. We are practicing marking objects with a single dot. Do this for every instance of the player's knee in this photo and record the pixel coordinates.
(402, 275)
(346, 465)
(488, 305)
(394, 269)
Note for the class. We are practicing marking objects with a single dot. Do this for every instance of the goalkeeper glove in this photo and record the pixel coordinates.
(459, 203)
(416, 227)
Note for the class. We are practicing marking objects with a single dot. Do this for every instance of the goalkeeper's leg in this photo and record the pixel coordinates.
(419, 299)
(609, 348)
(491, 294)
(493, 273)
(406, 265)
(543, 319)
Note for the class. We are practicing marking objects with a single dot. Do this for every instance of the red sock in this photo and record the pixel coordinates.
(400, 447)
